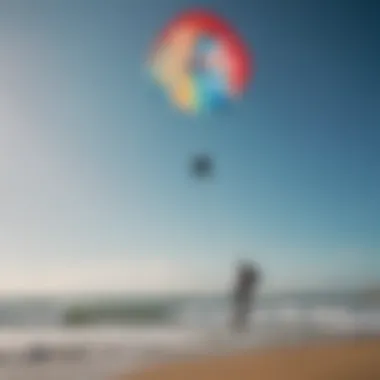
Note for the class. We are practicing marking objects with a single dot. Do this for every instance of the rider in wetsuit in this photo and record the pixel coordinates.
(244, 293)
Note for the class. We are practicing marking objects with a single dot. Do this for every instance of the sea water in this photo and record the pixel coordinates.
(98, 337)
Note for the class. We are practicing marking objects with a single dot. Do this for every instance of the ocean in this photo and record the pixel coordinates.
(100, 336)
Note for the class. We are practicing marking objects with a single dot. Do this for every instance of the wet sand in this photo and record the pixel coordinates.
(349, 360)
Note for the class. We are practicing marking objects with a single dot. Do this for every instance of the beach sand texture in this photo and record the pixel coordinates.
(349, 360)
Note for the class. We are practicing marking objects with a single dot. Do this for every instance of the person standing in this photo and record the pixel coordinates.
(245, 289)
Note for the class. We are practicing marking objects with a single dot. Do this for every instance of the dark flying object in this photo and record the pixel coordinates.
(202, 166)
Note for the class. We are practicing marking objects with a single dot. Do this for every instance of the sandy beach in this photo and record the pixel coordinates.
(349, 360)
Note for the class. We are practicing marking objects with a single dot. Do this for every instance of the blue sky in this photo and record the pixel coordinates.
(95, 192)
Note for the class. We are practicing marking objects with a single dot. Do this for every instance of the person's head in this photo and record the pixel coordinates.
(247, 267)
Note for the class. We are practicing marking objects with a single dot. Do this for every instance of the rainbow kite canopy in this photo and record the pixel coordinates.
(200, 62)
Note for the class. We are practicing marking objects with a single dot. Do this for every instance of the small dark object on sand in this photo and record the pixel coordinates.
(39, 353)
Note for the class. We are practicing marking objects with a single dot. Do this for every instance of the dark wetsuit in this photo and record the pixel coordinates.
(243, 296)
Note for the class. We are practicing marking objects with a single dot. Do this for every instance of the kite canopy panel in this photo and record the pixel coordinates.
(200, 62)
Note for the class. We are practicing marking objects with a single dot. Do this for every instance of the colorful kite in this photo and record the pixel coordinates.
(200, 62)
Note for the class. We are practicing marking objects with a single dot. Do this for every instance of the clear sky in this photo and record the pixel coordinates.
(94, 185)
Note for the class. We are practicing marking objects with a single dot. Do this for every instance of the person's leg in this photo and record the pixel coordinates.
(240, 322)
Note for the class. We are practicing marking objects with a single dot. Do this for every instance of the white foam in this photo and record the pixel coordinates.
(95, 353)
(99, 336)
